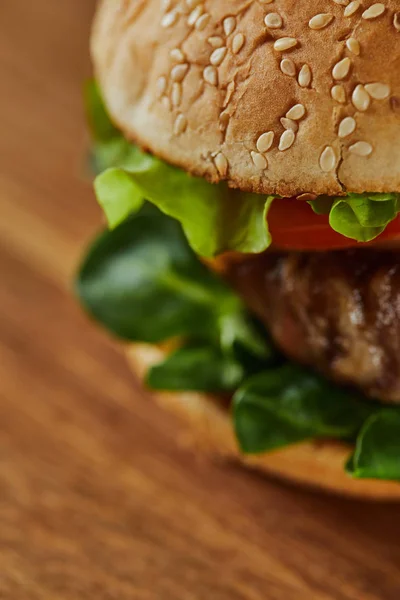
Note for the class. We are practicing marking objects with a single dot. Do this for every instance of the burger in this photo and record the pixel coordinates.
(247, 159)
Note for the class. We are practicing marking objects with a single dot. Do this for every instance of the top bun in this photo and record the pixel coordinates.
(275, 96)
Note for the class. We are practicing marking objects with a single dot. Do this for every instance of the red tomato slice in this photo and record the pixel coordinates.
(294, 226)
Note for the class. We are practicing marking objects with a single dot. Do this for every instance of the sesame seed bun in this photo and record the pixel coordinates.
(318, 464)
(274, 96)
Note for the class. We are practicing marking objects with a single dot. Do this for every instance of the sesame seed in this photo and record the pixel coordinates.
(177, 55)
(361, 149)
(193, 3)
(238, 43)
(288, 67)
(378, 91)
(169, 19)
(176, 94)
(265, 141)
(341, 2)
(289, 124)
(286, 140)
(320, 21)
(305, 76)
(327, 160)
(222, 164)
(374, 11)
(360, 99)
(266, 1)
(352, 8)
(347, 126)
(195, 14)
(259, 160)
(161, 86)
(210, 75)
(396, 21)
(202, 22)
(353, 45)
(229, 25)
(285, 43)
(296, 113)
(341, 69)
(273, 21)
(338, 93)
(218, 56)
(215, 41)
(179, 71)
(180, 124)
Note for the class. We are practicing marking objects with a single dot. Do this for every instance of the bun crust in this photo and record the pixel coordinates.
(198, 82)
(317, 464)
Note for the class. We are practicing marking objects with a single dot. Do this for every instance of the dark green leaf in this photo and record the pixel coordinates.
(143, 282)
(239, 334)
(200, 368)
(377, 452)
(287, 404)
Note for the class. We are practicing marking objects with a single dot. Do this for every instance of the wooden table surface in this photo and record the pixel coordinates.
(97, 501)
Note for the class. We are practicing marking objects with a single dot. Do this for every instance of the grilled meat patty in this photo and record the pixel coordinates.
(338, 312)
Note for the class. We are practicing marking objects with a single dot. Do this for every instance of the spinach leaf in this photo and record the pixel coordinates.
(143, 282)
(203, 368)
(284, 405)
(377, 452)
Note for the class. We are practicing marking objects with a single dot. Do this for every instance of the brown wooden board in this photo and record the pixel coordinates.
(97, 500)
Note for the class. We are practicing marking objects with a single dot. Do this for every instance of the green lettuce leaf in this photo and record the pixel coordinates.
(113, 184)
(203, 368)
(377, 452)
(288, 404)
(214, 217)
(361, 217)
(344, 220)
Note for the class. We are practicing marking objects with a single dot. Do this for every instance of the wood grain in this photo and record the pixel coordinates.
(97, 500)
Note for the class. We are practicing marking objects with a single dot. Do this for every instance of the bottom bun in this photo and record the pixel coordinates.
(317, 464)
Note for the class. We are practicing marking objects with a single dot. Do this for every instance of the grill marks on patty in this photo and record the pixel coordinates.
(338, 312)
